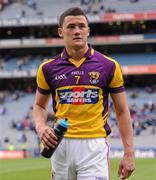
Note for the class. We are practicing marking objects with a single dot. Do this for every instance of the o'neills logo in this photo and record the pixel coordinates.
(78, 95)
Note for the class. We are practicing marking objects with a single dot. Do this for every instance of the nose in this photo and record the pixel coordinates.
(77, 30)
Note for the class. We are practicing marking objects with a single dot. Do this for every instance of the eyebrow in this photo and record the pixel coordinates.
(73, 24)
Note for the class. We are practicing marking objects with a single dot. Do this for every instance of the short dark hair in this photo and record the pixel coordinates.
(74, 11)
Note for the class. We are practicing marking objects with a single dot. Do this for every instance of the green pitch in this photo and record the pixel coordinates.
(39, 169)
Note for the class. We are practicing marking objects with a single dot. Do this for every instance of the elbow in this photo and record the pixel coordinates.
(39, 106)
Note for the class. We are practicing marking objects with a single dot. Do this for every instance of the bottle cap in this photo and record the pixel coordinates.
(64, 123)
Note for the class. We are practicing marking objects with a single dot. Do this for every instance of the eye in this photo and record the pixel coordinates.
(82, 26)
(71, 26)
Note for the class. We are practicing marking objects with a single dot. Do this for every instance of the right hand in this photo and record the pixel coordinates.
(47, 137)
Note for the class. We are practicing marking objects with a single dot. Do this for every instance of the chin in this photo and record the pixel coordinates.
(78, 45)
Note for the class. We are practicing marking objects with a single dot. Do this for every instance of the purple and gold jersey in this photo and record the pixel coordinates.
(80, 91)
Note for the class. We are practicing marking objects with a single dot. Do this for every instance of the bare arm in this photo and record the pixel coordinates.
(126, 166)
(40, 114)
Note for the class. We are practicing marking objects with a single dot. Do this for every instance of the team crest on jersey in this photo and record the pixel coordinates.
(94, 77)
(78, 96)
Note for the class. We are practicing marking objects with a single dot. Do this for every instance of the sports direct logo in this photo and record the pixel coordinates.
(78, 95)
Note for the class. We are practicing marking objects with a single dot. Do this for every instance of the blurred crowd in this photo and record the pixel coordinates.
(143, 116)
(91, 7)
(29, 3)
(143, 112)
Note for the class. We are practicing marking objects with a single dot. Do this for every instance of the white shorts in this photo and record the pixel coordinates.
(81, 159)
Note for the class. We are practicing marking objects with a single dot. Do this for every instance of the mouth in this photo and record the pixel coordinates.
(77, 38)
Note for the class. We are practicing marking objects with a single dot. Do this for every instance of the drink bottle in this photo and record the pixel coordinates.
(59, 130)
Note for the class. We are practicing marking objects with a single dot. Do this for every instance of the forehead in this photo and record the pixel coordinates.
(75, 20)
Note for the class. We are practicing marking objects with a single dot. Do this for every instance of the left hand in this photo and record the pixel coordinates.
(126, 166)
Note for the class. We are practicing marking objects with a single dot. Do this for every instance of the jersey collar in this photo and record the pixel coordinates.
(87, 55)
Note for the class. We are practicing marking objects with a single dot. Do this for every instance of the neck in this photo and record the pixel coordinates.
(77, 54)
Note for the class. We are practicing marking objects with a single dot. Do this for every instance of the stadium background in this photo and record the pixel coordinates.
(122, 29)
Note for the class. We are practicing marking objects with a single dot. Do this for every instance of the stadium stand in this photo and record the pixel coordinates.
(130, 6)
(143, 114)
(136, 58)
(21, 102)
(46, 8)
(52, 8)
(123, 59)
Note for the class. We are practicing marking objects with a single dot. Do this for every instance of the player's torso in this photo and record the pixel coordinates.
(89, 73)
(80, 93)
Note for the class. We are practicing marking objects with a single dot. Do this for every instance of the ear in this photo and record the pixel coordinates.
(88, 31)
(60, 32)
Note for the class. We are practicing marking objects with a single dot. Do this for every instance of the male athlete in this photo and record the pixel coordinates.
(80, 80)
